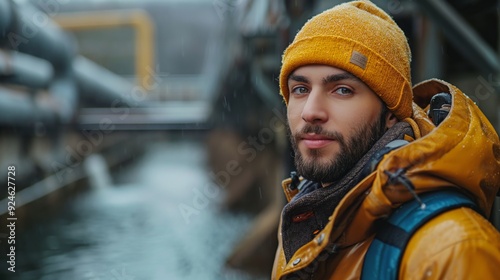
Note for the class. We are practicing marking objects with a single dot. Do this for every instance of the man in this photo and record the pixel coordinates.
(364, 146)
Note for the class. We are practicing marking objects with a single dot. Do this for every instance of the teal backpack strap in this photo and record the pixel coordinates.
(384, 255)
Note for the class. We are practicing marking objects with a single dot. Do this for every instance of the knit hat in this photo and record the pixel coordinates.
(360, 38)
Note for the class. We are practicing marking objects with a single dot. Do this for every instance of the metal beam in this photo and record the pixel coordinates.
(463, 37)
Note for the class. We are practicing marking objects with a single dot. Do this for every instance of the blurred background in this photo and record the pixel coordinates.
(148, 137)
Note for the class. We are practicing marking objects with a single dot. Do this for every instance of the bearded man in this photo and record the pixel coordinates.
(367, 143)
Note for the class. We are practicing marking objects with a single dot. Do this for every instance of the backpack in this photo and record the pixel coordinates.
(383, 258)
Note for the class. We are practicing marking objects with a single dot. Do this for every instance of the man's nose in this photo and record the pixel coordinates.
(314, 110)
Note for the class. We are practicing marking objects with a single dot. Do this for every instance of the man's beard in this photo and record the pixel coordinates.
(351, 151)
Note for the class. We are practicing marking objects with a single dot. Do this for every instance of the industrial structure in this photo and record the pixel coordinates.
(86, 86)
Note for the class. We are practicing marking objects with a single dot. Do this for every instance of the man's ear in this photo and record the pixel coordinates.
(390, 120)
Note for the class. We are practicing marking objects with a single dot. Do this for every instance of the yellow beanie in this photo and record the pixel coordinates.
(360, 38)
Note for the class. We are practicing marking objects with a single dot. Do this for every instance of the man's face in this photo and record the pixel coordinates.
(334, 119)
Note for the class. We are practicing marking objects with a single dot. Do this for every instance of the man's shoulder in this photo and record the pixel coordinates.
(456, 239)
(458, 225)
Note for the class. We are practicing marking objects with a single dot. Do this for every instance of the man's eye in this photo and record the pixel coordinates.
(299, 90)
(343, 91)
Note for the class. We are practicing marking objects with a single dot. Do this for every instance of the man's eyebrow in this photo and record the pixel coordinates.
(340, 77)
(298, 78)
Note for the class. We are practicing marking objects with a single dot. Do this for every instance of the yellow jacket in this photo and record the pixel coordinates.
(462, 152)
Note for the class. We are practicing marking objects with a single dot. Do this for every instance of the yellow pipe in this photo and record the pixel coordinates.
(137, 19)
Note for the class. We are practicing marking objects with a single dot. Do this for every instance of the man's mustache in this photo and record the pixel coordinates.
(318, 130)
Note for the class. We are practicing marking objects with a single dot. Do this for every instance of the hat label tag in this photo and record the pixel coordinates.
(358, 59)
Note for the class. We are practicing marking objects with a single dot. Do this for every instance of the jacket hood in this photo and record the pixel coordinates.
(462, 152)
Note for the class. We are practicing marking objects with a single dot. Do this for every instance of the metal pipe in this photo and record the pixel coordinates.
(463, 37)
(20, 110)
(29, 31)
(25, 70)
(6, 19)
(99, 87)
(32, 32)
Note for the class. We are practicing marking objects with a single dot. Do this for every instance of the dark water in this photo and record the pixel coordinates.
(134, 229)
